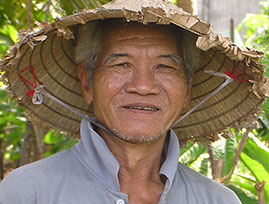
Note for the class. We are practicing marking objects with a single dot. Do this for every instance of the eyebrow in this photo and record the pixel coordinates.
(113, 56)
(176, 58)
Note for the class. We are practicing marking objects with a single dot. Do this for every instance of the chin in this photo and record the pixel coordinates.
(138, 137)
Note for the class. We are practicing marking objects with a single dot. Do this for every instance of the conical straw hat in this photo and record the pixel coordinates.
(49, 53)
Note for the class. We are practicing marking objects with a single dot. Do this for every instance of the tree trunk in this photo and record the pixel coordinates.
(48, 10)
(187, 5)
(1, 161)
(40, 146)
(24, 146)
(29, 14)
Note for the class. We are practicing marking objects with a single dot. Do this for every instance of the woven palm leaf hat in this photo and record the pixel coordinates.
(45, 58)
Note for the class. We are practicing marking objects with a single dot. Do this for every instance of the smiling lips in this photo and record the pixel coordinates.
(142, 107)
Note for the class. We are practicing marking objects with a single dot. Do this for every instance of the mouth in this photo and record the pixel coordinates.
(143, 108)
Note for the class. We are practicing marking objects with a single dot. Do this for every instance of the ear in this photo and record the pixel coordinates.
(84, 83)
(187, 99)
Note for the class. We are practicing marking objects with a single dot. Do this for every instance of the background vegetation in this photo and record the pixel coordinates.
(240, 162)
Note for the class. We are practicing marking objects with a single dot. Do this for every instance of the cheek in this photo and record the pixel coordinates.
(115, 82)
(107, 84)
(175, 86)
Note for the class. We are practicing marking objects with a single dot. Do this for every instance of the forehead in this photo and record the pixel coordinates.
(117, 33)
(120, 28)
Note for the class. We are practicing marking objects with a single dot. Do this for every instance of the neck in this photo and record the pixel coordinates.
(140, 164)
(136, 158)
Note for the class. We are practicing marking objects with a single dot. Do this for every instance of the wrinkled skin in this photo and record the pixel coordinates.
(139, 84)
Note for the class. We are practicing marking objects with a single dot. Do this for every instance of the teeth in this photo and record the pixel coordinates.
(141, 108)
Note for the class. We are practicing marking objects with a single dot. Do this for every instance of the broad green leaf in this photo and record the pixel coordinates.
(51, 138)
(204, 167)
(13, 33)
(246, 186)
(257, 152)
(228, 156)
(188, 146)
(247, 178)
(218, 149)
(242, 196)
(192, 154)
(258, 172)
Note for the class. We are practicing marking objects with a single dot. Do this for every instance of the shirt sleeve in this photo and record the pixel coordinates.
(16, 188)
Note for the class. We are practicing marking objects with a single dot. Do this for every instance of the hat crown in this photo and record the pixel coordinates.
(137, 5)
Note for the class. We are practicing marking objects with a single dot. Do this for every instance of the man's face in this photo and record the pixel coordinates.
(139, 84)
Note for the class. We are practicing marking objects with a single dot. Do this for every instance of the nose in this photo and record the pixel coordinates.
(143, 82)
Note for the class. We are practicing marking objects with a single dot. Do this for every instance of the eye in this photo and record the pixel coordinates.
(164, 66)
(122, 64)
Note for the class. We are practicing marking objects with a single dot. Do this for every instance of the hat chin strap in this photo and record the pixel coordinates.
(39, 92)
(225, 83)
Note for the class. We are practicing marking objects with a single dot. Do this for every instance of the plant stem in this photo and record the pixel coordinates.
(260, 191)
(240, 149)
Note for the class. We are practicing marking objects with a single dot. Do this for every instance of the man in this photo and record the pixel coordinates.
(137, 78)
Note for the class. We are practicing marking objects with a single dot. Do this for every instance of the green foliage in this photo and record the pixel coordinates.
(70, 6)
(229, 154)
(57, 142)
(246, 186)
(245, 199)
(204, 167)
(255, 29)
(258, 172)
(14, 12)
(255, 157)
(13, 17)
(192, 154)
(258, 152)
(12, 126)
(8, 36)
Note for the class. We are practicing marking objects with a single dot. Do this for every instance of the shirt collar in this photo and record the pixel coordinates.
(169, 166)
(93, 152)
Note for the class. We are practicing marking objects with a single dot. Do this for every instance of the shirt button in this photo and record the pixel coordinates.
(120, 201)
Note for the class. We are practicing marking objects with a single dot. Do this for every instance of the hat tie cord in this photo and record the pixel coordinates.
(228, 80)
(231, 75)
(86, 117)
(235, 75)
(34, 93)
(37, 92)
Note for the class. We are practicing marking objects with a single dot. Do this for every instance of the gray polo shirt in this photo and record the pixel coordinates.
(87, 174)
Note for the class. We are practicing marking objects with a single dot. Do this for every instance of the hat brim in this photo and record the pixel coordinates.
(50, 52)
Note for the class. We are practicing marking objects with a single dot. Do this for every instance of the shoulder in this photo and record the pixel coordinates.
(45, 167)
(20, 185)
(204, 188)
